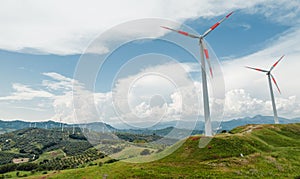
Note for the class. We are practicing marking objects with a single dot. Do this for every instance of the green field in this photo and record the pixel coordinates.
(268, 151)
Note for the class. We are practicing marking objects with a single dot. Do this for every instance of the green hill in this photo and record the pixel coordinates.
(252, 151)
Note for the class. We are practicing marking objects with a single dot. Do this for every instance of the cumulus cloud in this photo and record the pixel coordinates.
(240, 103)
(73, 103)
(179, 103)
(151, 93)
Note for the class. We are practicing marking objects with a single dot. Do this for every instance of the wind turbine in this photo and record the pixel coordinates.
(62, 125)
(204, 52)
(73, 129)
(268, 73)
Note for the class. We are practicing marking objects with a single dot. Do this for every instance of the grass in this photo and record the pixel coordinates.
(51, 155)
(269, 151)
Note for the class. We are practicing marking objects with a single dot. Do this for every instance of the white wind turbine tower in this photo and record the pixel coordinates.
(204, 52)
(62, 125)
(268, 73)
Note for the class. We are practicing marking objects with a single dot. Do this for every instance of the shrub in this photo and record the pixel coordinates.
(145, 152)
(7, 168)
(27, 166)
(111, 161)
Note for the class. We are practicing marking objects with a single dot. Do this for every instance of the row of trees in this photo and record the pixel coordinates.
(54, 164)
(32, 142)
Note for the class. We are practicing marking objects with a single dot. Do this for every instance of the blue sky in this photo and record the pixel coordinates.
(244, 34)
(40, 51)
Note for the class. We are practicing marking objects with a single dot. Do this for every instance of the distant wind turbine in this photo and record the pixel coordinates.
(204, 52)
(62, 125)
(268, 73)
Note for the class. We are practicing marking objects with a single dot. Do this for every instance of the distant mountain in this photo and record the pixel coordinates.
(176, 132)
(259, 119)
(161, 128)
(160, 125)
(225, 125)
(9, 126)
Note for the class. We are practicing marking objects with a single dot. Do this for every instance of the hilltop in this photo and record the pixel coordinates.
(258, 151)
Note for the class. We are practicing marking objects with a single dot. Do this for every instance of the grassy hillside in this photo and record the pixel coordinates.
(268, 151)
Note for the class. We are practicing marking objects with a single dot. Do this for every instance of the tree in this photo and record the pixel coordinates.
(145, 152)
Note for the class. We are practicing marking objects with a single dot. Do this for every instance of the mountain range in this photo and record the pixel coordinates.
(160, 128)
(220, 125)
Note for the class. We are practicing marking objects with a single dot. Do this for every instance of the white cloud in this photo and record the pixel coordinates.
(74, 103)
(58, 82)
(280, 11)
(67, 27)
(23, 92)
(240, 103)
(246, 26)
(134, 96)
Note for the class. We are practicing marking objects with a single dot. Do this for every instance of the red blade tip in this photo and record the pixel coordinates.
(229, 14)
(164, 27)
(206, 53)
(183, 33)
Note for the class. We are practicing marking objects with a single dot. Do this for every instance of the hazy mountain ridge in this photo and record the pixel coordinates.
(9, 126)
(160, 128)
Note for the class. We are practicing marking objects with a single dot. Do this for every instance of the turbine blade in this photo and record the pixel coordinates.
(275, 83)
(257, 69)
(216, 25)
(205, 50)
(210, 68)
(276, 63)
(181, 32)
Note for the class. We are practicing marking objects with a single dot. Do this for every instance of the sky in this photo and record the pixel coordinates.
(82, 61)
